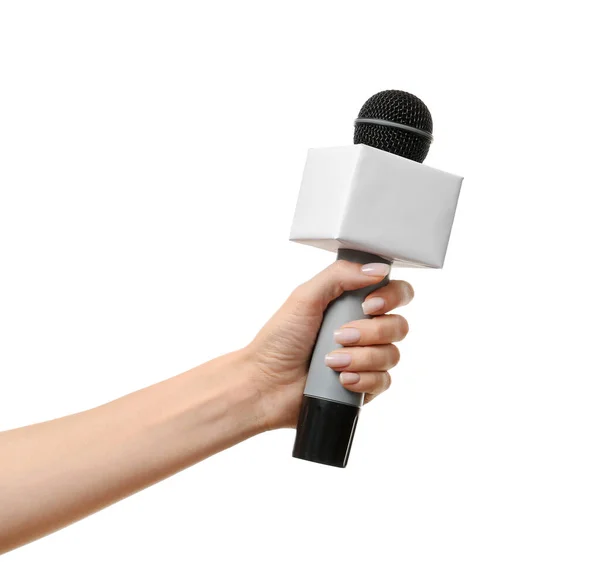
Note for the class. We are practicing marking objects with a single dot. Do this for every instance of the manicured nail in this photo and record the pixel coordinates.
(349, 378)
(337, 360)
(372, 305)
(376, 269)
(346, 335)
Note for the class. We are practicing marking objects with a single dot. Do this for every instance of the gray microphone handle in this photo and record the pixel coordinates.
(329, 411)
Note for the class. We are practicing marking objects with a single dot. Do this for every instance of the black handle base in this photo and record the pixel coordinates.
(325, 431)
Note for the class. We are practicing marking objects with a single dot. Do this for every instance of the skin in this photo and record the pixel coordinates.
(55, 473)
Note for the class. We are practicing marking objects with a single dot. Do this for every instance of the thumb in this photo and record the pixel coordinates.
(339, 277)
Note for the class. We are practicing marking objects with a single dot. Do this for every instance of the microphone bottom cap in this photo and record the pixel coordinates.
(325, 431)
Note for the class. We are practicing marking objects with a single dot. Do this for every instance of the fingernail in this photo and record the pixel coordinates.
(347, 335)
(372, 305)
(335, 360)
(376, 269)
(348, 378)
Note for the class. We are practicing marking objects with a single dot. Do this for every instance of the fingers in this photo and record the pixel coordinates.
(357, 359)
(370, 382)
(368, 351)
(339, 277)
(394, 294)
(377, 331)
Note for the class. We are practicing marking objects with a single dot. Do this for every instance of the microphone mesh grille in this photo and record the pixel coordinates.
(400, 107)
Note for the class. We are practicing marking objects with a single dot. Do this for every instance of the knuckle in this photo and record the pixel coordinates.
(340, 267)
(405, 285)
(303, 295)
(401, 328)
(390, 328)
(398, 290)
(340, 271)
(382, 330)
(409, 290)
(406, 291)
(300, 292)
(395, 328)
(394, 354)
(387, 380)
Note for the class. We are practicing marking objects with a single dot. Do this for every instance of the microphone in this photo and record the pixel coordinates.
(371, 202)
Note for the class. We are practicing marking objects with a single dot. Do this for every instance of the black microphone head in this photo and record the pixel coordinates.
(397, 122)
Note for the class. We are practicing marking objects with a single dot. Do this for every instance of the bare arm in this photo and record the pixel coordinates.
(57, 472)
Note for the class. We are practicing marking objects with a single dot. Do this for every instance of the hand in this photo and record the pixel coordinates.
(281, 351)
(71, 471)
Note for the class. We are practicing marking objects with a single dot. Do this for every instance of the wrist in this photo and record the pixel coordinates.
(229, 386)
(277, 392)
(200, 412)
(243, 391)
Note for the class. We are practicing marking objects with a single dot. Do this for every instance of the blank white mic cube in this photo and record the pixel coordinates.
(359, 197)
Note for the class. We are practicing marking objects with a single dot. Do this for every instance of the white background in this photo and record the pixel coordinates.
(150, 157)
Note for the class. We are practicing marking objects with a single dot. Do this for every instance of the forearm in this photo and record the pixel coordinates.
(54, 473)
